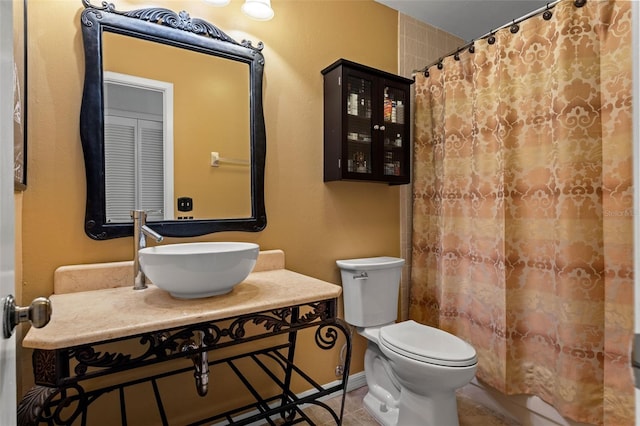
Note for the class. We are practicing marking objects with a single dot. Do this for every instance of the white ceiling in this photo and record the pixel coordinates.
(467, 19)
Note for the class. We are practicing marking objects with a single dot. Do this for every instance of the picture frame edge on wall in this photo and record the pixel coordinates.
(20, 95)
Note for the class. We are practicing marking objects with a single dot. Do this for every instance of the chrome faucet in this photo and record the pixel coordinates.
(140, 233)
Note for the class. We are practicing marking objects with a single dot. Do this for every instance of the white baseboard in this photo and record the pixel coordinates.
(528, 410)
(355, 381)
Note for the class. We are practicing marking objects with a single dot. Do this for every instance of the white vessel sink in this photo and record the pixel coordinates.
(194, 270)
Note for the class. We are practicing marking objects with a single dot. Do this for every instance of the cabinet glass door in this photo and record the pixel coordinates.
(359, 125)
(395, 133)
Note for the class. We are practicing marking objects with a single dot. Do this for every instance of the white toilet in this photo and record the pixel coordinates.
(412, 370)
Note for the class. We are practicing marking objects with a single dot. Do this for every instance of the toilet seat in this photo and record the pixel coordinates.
(427, 344)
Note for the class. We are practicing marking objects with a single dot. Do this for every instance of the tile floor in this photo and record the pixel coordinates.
(470, 413)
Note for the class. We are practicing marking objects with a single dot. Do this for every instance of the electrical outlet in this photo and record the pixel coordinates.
(185, 204)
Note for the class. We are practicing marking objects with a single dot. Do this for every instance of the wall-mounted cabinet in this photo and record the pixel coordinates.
(366, 124)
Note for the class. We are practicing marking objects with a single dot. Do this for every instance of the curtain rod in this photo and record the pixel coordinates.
(514, 28)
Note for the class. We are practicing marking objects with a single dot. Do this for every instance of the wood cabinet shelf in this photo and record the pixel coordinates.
(367, 124)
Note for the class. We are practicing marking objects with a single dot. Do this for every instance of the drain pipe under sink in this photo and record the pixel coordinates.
(200, 362)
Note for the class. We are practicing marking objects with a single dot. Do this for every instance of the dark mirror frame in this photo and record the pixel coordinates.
(179, 30)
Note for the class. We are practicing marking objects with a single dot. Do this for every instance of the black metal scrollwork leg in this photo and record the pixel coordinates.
(54, 406)
(288, 416)
(326, 338)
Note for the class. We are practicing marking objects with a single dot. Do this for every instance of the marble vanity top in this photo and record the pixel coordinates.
(84, 317)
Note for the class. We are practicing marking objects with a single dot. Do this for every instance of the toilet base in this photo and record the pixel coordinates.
(440, 410)
(379, 411)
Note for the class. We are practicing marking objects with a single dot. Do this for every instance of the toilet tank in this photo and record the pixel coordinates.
(370, 290)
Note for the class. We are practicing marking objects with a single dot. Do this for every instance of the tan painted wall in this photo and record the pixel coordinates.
(17, 199)
(313, 222)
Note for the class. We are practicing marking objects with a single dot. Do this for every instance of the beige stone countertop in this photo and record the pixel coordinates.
(98, 315)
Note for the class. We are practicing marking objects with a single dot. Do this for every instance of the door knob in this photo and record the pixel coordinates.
(39, 313)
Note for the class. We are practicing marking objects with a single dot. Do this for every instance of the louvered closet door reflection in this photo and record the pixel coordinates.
(151, 169)
(133, 167)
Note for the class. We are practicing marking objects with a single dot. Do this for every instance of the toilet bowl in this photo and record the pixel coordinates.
(412, 370)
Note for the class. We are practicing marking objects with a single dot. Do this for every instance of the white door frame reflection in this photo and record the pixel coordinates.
(161, 110)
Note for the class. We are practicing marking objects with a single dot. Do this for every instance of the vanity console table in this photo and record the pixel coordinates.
(106, 341)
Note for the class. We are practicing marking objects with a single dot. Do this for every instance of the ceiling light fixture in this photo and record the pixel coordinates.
(259, 10)
(218, 3)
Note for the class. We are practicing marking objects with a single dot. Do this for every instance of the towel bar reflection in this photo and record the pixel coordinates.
(216, 160)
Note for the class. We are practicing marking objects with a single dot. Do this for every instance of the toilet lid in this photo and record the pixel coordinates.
(370, 263)
(427, 344)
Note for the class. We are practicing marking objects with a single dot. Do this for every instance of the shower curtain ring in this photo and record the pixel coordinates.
(547, 13)
(440, 65)
(514, 28)
(456, 55)
(472, 48)
(491, 39)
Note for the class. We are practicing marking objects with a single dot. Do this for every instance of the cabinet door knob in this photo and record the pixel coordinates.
(382, 127)
(38, 313)
(376, 127)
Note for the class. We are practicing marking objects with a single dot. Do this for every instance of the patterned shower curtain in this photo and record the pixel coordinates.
(522, 229)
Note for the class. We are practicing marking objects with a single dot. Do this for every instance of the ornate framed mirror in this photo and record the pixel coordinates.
(172, 122)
